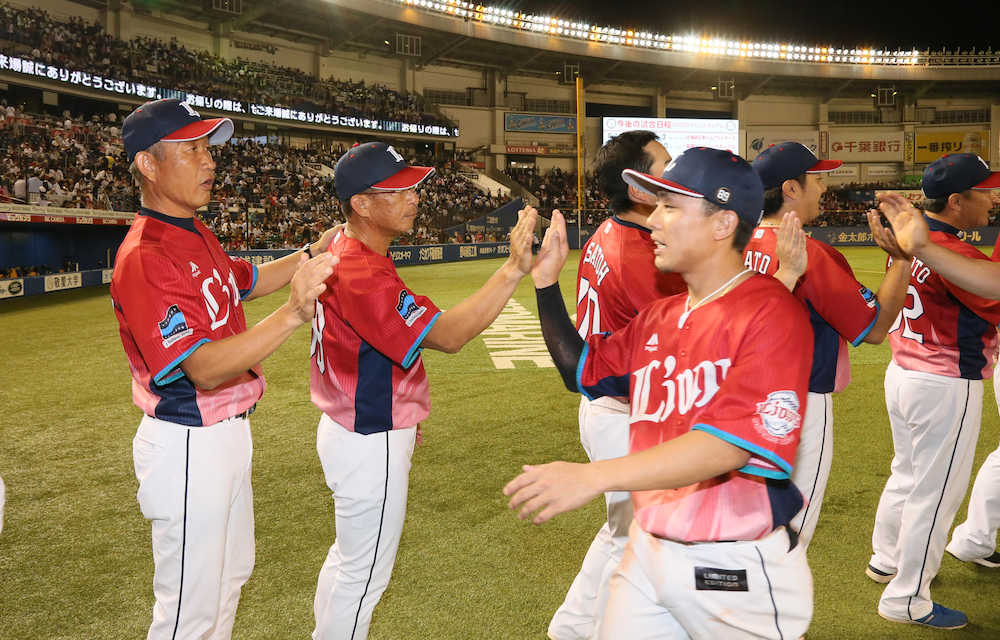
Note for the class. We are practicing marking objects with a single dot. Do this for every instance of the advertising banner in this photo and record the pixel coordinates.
(931, 146)
(59, 281)
(760, 139)
(529, 123)
(846, 173)
(87, 78)
(861, 145)
(11, 288)
(862, 236)
(679, 134)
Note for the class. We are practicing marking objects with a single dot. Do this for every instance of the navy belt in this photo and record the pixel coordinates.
(245, 414)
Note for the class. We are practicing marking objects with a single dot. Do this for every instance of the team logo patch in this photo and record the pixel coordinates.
(408, 309)
(868, 296)
(778, 415)
(653, 343)
(173, 327)
(723, 195)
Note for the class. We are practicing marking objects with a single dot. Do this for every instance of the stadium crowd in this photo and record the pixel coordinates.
(80, 45)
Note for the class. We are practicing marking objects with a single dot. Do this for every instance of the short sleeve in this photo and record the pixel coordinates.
(835, 294)
(986, 309)
(245, 274)
(605, 364)
(383, 311)
(760, 407)
(165, 313)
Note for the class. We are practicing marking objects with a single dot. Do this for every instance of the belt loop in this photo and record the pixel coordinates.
(793, 537)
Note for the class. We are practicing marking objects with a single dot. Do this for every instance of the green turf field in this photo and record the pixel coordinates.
(75, 557)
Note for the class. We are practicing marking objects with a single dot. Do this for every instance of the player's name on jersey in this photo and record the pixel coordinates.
(516, 337)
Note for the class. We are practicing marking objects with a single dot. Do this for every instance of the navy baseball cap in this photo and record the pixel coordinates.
(956, 173)
(170, 120)
(376, 166)
(721, 177)
(788, 160)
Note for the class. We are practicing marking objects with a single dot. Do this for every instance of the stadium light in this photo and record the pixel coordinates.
(690, 43)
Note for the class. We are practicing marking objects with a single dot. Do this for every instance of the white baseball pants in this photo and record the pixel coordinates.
(812, 463)
(369, 476)
(977, 536)
(935, 423)
(194, 487)
(665, 590)
(604, 433)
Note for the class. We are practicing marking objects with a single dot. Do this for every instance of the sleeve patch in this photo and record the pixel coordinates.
(173, 327)
(778, 415)
(408, 308)
(868, 296)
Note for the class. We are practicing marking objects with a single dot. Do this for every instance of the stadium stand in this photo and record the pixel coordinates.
(80, 44)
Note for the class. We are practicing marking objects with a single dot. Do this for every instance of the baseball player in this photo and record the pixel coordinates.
(944, 343)
(713, 429)
(195, 368)
(841, 309)
(368, 379)
(975, 540)
(616, 277)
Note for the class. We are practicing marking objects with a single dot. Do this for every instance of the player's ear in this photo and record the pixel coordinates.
(360, 205)
(791, 189)
(640, 196)
(148, 165)
(724, 224)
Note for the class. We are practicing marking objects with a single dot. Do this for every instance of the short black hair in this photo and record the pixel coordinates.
(774, 197)
(624, 151)
(741, 237)
(936, 205)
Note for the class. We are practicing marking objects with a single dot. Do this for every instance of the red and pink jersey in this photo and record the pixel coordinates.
(713, 370)
(841, 309)
(173, 290)
(367, 374)
(943, 329)
(617, 277)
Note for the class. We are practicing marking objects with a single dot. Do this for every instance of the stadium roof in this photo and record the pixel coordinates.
(372, 26)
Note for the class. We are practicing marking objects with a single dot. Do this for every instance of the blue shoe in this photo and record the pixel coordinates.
(940, 617)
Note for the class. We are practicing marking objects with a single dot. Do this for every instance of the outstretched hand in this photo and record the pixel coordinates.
(908, 225)
(309, 282)
(552, 254)
(791, 247)
(521, 238)
(885, 238)
(551, 489)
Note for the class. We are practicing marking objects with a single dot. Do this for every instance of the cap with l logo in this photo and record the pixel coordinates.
(170, 120)
(375, 166)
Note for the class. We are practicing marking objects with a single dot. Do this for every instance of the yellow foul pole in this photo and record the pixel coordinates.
(580, 113)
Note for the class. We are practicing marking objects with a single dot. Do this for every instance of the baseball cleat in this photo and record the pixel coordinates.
(991, 561)
(940, 617)
(878, 575)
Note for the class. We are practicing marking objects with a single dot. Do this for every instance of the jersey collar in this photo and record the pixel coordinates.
(937, 225)
(626, 223)
(182, 223)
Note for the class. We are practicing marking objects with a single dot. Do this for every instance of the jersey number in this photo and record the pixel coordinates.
(591, 322)
(316, 347)
(910, 313)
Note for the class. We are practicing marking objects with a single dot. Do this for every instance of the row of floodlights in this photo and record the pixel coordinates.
(686, 43)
